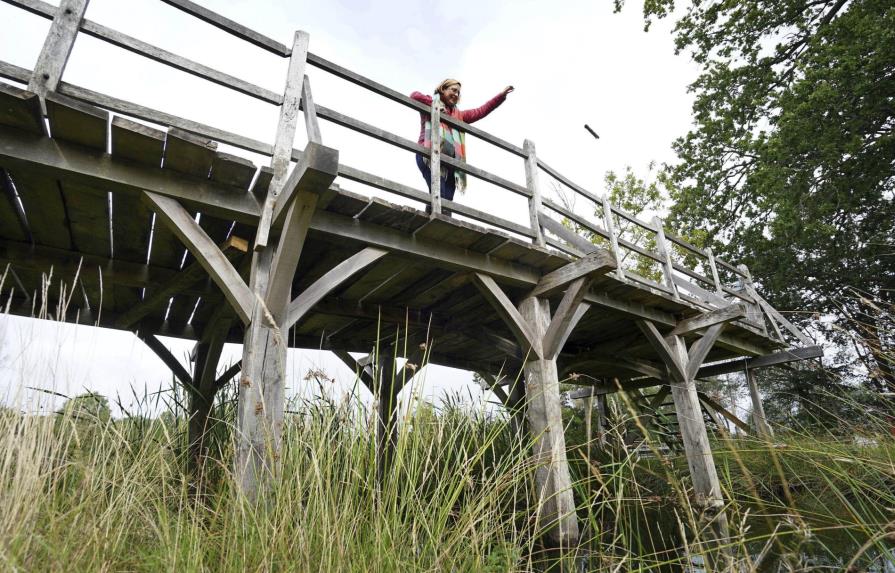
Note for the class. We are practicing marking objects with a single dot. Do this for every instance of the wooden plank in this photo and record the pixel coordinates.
(20, 109)
(773, 312)
(286, 126)
(188, 153)
(57, 47)
(44, 208)
(206, 252)
(23, 153)
(566, 234)
(532, 183)
(158, 117)
(232, 248)
(137, 142)
(331, 280)
(233, 171)
(508, 313)
(88, 217)
(696, 290)
(230, 26)
(76, 122)
(774, 359)
(707, 319)
(596, 262)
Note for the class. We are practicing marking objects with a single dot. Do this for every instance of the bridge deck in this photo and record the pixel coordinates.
(66, 198)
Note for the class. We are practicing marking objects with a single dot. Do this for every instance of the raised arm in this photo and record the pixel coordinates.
(473, 115)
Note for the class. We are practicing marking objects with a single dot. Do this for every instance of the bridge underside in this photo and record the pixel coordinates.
(71, 206)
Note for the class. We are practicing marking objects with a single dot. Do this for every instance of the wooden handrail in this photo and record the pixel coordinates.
(154, 53)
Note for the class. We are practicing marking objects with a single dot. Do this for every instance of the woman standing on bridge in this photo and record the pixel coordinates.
(453, 140)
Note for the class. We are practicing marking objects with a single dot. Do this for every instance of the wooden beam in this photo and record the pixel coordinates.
(165, 355)
(364, 373)
(20, 151)
(57, 47)
(314, 173)
(331, 280)
(228, 374)
(286, 126)
(508, 313)
(180, 281)
(206, 252)
(566, 317)
(763, 361)
(596, 262)
(762, 428)
(284, 260)
(700, 349)
(724, 412)
(775, 314)
(711, 318)
(533, 184)
(665, 352)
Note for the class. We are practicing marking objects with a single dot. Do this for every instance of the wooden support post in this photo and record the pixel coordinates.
(435, 156)
(205, 387)
(556, 502)
(754, 310)
(762, 428)
(285, 137)
(665, 253)
(386, 415)
(531, 181)
(715, 278)
(613, 236)
(57, 47)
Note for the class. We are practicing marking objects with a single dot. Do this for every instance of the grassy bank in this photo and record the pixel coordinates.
(82, 494)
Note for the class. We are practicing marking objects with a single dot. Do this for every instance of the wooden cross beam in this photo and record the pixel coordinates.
(594, 263)
(708, 319)
(330, 281)
(165, 355)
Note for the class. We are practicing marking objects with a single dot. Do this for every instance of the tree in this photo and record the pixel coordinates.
(790, 165)
(87, 407)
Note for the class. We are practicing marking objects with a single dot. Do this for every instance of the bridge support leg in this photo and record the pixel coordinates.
(762, 428)
(202, 392)
(683, 366)
(556, 502)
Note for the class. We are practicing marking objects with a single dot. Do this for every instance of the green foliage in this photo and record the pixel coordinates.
(789, 167)
(88, 407)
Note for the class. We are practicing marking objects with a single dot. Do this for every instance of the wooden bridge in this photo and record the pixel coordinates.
(155, 231)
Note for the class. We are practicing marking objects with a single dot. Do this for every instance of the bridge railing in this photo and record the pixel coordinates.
(649, 255)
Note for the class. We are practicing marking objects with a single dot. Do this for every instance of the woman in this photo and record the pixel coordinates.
(453, 140)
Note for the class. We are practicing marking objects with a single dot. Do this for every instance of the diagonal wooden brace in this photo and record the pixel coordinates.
(594, 263)
(185, 227)
(508, 312)
(708, 319)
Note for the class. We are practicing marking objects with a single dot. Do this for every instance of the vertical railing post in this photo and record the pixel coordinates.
(753, 310)
(714, 269)
(534, 202)
(665, 253)
(57, 47)
(435, 156)
(613, 237)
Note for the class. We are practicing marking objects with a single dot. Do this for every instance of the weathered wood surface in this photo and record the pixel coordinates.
(57, 47)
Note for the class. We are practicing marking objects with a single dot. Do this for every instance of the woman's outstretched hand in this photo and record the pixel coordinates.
(508, 89)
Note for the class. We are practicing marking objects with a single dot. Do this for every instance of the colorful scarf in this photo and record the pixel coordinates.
(452, 137)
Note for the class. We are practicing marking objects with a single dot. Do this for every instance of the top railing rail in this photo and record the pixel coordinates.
(664, 262)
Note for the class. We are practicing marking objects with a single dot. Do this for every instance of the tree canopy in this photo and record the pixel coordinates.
(790, 164)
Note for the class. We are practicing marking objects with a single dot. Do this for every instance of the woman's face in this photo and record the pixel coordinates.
(451, 95)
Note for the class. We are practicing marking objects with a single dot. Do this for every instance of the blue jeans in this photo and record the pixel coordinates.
(448, 182)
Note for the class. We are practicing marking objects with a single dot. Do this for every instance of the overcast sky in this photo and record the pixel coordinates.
(572, 62)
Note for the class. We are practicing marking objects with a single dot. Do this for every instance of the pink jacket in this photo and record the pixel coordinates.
(468, 116)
